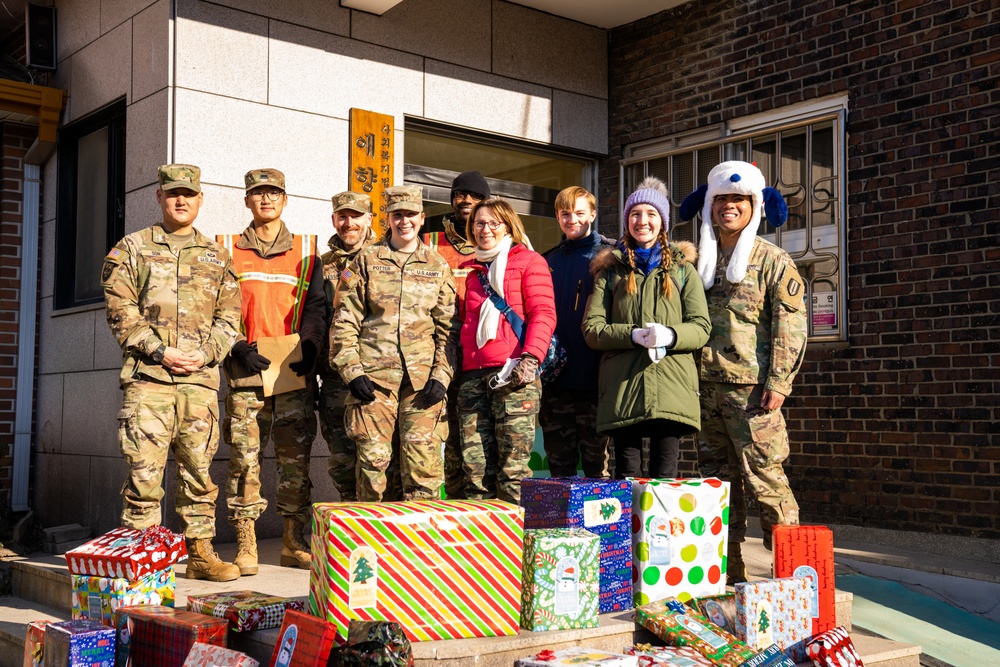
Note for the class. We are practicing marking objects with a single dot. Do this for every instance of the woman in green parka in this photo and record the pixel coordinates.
(648, 315)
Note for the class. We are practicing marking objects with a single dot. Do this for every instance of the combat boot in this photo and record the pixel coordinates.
(204, 563)
(246, 541)
(736, 569)
(295, 552)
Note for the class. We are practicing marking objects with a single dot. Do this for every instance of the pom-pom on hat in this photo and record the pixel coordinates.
(651, 191)
(727, 178)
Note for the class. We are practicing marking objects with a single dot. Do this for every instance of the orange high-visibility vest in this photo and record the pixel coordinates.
(439, 242)
(273, 289)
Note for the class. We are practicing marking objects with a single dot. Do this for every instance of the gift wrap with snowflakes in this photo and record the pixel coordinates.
(680, 530)
(444, 569)
(560, 579)
(775, 611)
(693, 630)
(98, 598)
(601, 506)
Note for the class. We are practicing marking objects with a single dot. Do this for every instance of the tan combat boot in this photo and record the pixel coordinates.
(736, 569)
(246, 554)
(295, 552)
(204, 563)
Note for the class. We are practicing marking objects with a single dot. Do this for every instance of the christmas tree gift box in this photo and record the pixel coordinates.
(158, 636)
(680, 530)
(560, 580)
(693, 630)
(98, 598)
(668, 656)
(127, 553)
(303, 641)
(604, 507)
(441, 569)
(79, 644)
(210, 655)
(245, 610)
(775, 611)
(807, 551)
(719, 609)
(34, 644)
(579, 656)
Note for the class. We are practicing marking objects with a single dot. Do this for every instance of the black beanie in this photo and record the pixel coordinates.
(471, 181)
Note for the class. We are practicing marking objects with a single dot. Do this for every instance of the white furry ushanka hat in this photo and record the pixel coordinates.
(732, 178)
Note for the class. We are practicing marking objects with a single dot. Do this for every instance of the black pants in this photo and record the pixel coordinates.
(664, 448)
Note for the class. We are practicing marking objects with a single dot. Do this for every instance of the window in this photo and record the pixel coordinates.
(801, 153)
(528, 176)
(91, 203)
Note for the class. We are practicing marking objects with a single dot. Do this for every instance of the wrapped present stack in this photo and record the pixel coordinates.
(680, 532)
(603, 507)
(245, 610)
(79, 644)
(163, 636)
(775, 611)
(686, 628)
(441, 569)
(98, 598)
(304, 641)
(807, 551)
(561, 579)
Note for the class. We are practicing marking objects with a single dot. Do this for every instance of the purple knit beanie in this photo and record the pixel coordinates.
(651, 191)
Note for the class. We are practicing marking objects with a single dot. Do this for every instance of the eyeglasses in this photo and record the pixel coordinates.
(462, 194)
(492, 224)
(270, 195)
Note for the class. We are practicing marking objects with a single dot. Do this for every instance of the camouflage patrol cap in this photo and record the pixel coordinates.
(256, 178)
(175, 176)
(404, 198)
(353, 201)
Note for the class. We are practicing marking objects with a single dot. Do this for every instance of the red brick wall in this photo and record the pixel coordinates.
(900, 429)
(15, 140)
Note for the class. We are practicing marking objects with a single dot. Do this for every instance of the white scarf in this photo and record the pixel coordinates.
(489, 316)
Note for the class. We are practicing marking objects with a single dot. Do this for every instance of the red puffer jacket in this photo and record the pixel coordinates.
(527, 287)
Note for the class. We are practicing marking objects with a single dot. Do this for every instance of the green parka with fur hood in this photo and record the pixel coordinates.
(631, 388)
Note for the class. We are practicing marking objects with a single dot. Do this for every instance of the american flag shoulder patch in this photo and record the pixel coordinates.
(115, 254)
(346, 275)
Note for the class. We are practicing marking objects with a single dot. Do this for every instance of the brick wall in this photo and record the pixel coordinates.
(900, 428)
(15, 140)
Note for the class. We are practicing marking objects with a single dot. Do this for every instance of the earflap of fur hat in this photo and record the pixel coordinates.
(742, 178)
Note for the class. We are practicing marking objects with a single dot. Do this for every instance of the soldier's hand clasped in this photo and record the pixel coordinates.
(250, 358)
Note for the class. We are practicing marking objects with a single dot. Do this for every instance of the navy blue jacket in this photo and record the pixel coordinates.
(569, 263)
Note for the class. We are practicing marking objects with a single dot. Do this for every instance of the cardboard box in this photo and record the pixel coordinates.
(680, 535)
(442, 569)
(561, 579)
(98, 598)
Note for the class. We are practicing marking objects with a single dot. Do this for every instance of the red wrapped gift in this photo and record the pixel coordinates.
(127, 553)
(34, 644)
(833, 648)
(154, 636)
(807, 551)
(245, 610)
(304, 641)
(210, 655)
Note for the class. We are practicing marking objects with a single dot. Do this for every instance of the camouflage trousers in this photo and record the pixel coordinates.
(156, 418)
(745, 445)
(454, 473)
(343, 458)
(252, 419)
(498, 432)
(396, 420)
(569, 426)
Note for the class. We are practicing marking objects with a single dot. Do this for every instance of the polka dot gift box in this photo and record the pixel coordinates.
(680, 530)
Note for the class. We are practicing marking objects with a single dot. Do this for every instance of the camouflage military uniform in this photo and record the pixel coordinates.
(757, 342)
(333, 392)
(397, 324)
(190, 301)
(289, 419)
(497, 424)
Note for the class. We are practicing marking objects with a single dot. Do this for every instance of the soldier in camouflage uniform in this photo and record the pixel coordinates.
(394, 344)
(282, 290)
(352, 220)
(755, 302)
(173, 304)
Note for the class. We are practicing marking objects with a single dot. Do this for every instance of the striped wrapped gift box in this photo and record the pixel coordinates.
(441, 569)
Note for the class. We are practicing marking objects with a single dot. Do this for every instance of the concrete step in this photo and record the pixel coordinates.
(15, 614)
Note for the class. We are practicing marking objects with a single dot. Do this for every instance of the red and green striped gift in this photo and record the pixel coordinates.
(442, 569)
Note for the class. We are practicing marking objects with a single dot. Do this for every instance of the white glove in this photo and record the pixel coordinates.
(659, 335)
(657, 353)
(503, 377)
(639, 336)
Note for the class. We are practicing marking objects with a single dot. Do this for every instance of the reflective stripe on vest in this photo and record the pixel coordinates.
(273, 290)
(439, 242)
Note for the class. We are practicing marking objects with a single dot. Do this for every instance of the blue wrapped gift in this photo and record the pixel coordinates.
(80, 643)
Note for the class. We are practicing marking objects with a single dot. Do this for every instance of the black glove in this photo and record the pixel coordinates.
(308, 359)
(362, 389)
(248, 356)
(433, 393)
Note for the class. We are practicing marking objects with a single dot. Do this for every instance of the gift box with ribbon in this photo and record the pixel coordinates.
(694, 630)
(245, 610)
(127, 553)
(441, 569)
(561, 579)
(98, 598)
(79, 644)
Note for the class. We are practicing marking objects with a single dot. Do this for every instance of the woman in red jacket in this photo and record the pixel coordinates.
(499, 397)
